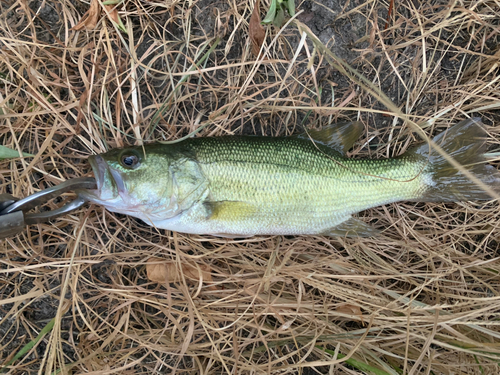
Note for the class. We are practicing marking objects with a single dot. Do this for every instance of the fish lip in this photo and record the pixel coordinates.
(99, 167)
(120, 184)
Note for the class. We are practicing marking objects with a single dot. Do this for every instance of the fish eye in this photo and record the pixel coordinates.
(130, 161)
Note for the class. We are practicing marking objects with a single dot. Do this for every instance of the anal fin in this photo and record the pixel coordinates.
(352, 228)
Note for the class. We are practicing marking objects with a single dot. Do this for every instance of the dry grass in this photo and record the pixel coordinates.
(421, 298)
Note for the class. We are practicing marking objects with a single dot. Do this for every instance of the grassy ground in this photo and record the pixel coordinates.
(423, 297)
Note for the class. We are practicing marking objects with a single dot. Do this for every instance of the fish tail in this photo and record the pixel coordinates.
(465, 143)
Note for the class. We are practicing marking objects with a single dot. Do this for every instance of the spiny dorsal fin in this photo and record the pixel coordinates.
(340, 136)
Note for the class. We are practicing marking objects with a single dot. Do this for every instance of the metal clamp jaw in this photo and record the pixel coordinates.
(14, 214)
(13, 223)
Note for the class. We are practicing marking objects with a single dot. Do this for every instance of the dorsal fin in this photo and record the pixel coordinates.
(340, 136)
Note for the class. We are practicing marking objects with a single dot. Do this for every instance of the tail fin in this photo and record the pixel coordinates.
(466, 143)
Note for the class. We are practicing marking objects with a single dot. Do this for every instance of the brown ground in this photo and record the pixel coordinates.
(421, 298)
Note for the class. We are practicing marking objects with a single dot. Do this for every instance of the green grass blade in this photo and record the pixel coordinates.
(291, 7)
(8, 153)
(270, 14)
(355, 363)
(26, 348)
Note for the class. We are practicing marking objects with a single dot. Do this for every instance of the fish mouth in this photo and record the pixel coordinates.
(109, 182)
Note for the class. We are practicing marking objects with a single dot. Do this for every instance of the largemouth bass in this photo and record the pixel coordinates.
(240, 186)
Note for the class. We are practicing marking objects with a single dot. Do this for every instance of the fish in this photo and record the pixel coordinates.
(242, 186)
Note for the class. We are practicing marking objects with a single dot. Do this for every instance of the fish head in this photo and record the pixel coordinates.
(135, 182)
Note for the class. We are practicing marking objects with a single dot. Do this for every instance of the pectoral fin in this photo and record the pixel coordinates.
(340, 136)
(229, 211)
(352, 228)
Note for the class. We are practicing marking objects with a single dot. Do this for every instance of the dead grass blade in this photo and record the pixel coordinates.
(90, 18)
(256, 32)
